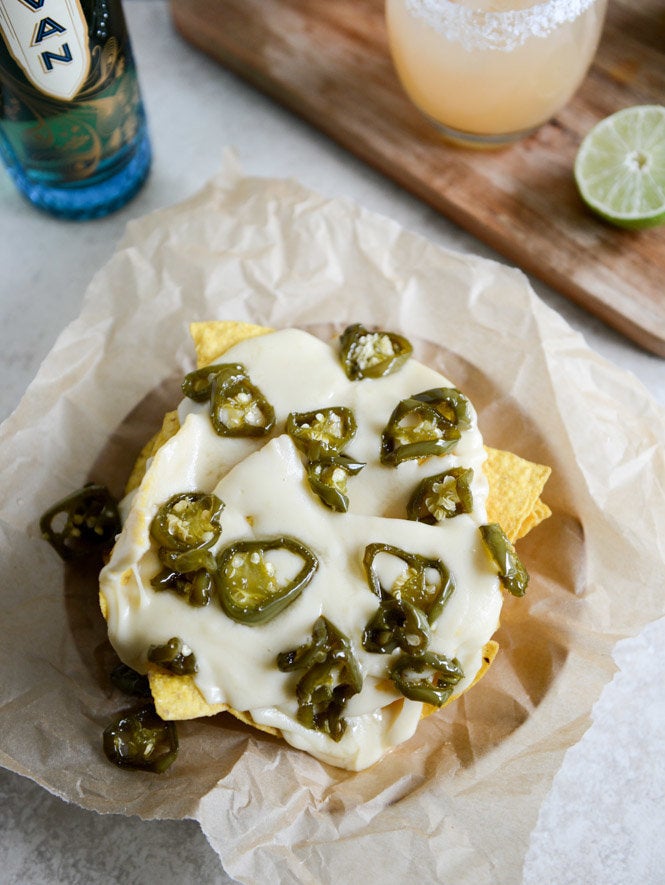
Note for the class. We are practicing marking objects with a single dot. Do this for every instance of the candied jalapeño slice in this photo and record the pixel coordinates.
(187, 561)
(416, 430)
(414, 584)
(322, 432)
(141, 740)
(428, 678)
(442, 496)
(366, 354)
(331, 678)
(195, 588)
(247, 583)
(198, 384)
(187, 521)
(397, 624)
(425, 424)
(512, 573)
(175, 656)
(450, 403)
(328, 479)
(85, 522)
(186, 527)
(238, 408)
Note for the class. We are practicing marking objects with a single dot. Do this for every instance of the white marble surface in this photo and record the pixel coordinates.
(604, 817)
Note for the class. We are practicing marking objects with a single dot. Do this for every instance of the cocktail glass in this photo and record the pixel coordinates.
(488, 72)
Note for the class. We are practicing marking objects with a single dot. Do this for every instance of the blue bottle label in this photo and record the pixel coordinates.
(48, 39)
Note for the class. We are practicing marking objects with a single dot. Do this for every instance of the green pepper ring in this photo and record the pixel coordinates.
(328, 493)
(512, 572)
(224, 389)
(349, 341)
(91, 525)
(395, 624)
(186, 561)
(141, 740)
(321, 703)
(264, 611)
(197, 385)
(164, 536)
(195, 587)
(424, 690)
(412, 560)
(417, 508)
(172, 657)
(394, 452)
(316, 449)
(453, 398)
(312, 652)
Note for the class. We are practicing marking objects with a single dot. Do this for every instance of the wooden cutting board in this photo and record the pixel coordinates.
(328, 61)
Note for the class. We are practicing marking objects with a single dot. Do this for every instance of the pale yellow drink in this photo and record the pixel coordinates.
(492, 70)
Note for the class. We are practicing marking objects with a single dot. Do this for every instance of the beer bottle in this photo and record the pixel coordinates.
(73, 132)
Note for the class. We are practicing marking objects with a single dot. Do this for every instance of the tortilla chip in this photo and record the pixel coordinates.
(169, 428)
(177, 698)
(514, 494)
(540, 512)
(212, 339)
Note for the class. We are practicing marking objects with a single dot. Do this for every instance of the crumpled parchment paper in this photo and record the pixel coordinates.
(458, 801)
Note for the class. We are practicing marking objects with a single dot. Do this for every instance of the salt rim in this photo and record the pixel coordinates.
(505, 31)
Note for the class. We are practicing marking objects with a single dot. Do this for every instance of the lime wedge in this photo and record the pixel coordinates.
(620, 167)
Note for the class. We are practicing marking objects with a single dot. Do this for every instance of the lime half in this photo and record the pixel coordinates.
(620, 167)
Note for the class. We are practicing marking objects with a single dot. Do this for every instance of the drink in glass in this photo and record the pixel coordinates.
(491, 71)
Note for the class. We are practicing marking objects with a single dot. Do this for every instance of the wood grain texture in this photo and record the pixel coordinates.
(329, 62)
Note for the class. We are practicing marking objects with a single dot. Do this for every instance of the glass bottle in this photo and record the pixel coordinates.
(73, 131)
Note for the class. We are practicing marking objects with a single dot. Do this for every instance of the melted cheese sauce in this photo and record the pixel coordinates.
(265, 489)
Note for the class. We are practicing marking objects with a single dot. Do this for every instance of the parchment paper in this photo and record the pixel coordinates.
(457, 802)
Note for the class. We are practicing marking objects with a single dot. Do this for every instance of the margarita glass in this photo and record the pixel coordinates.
(488, 72)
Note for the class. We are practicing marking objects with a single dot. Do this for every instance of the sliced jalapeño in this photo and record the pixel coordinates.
(332, 676)
(85, 522)
(247, 583)
(366, 354)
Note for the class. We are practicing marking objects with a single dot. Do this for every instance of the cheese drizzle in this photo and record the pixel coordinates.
(264, 486)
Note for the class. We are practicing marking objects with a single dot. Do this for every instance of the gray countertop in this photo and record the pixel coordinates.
(603, 819)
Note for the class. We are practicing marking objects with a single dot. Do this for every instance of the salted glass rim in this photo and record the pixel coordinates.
(489, 29)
